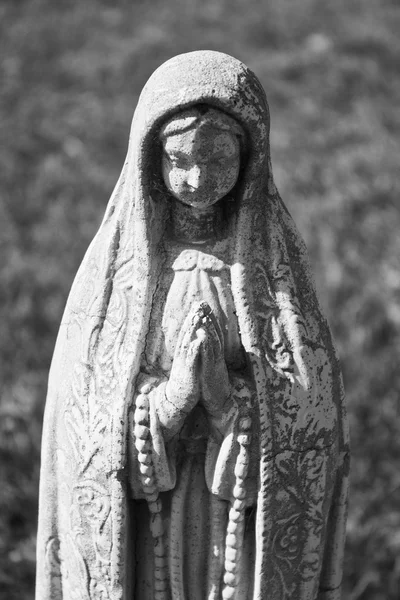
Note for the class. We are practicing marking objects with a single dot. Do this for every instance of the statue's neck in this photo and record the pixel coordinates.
(196, 225)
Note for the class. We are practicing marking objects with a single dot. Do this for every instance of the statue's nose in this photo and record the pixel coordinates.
(196, 176)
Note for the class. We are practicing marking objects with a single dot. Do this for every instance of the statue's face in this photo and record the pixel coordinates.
(201, 166)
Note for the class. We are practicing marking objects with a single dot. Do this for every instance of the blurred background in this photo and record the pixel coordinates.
(70, 75)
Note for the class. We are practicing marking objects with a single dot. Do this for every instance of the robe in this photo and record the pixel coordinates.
(195, 469)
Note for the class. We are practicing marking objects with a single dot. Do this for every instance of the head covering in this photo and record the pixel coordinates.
(83, 541)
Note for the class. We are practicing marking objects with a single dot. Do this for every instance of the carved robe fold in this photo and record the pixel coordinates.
(89, 542)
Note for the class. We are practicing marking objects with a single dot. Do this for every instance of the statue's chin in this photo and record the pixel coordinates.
(200, 203)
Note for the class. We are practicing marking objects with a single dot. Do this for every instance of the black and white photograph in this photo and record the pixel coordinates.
(200, 300)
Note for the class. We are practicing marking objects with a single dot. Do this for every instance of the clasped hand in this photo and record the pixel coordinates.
(199, 372)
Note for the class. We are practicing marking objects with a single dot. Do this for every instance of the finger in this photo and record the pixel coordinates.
(188, 364)
(213, 357)
(187, 333)
(193, 354)
(213, 349)
(217, 329)
(216, 342)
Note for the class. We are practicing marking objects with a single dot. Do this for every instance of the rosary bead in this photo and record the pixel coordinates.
(245, 424)
(241, 474)
(142, 402)
(155, 506)
(232, 527)
(238, 505)
(156, 525)
(160, 562)
(146, 470)
(235, 515)
(160, 573)
(244, 439)
(239, 492)
(143, 446)
(159, 549)
(230, 567)
(147, 482)
(240, 471)
(160, 585)
(149, 490)
(231, 554)
(243, 458)
(230, 579)
(141, 432)
(231, 540)
(144, 458)
(141, 416)
(146, 388)
(228, 593)
(152, 496)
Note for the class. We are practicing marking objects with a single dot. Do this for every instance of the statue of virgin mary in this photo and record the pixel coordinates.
(195, 443)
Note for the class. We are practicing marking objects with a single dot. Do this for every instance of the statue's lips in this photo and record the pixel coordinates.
(189, 197)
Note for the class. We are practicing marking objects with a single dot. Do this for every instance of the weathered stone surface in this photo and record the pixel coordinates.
(195, 442)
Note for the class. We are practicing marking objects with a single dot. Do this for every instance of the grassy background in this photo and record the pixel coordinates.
(70, 76)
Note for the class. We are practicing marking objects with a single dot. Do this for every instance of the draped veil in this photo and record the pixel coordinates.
(83, 547)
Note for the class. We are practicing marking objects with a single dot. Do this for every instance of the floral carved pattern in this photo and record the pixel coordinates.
(85, 422)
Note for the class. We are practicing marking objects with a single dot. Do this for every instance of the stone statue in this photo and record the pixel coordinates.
(195, 443)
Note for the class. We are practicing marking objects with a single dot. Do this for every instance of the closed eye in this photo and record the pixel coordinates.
(178, 162)
(176, 157)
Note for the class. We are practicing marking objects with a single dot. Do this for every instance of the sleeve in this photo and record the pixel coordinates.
(224, 444)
